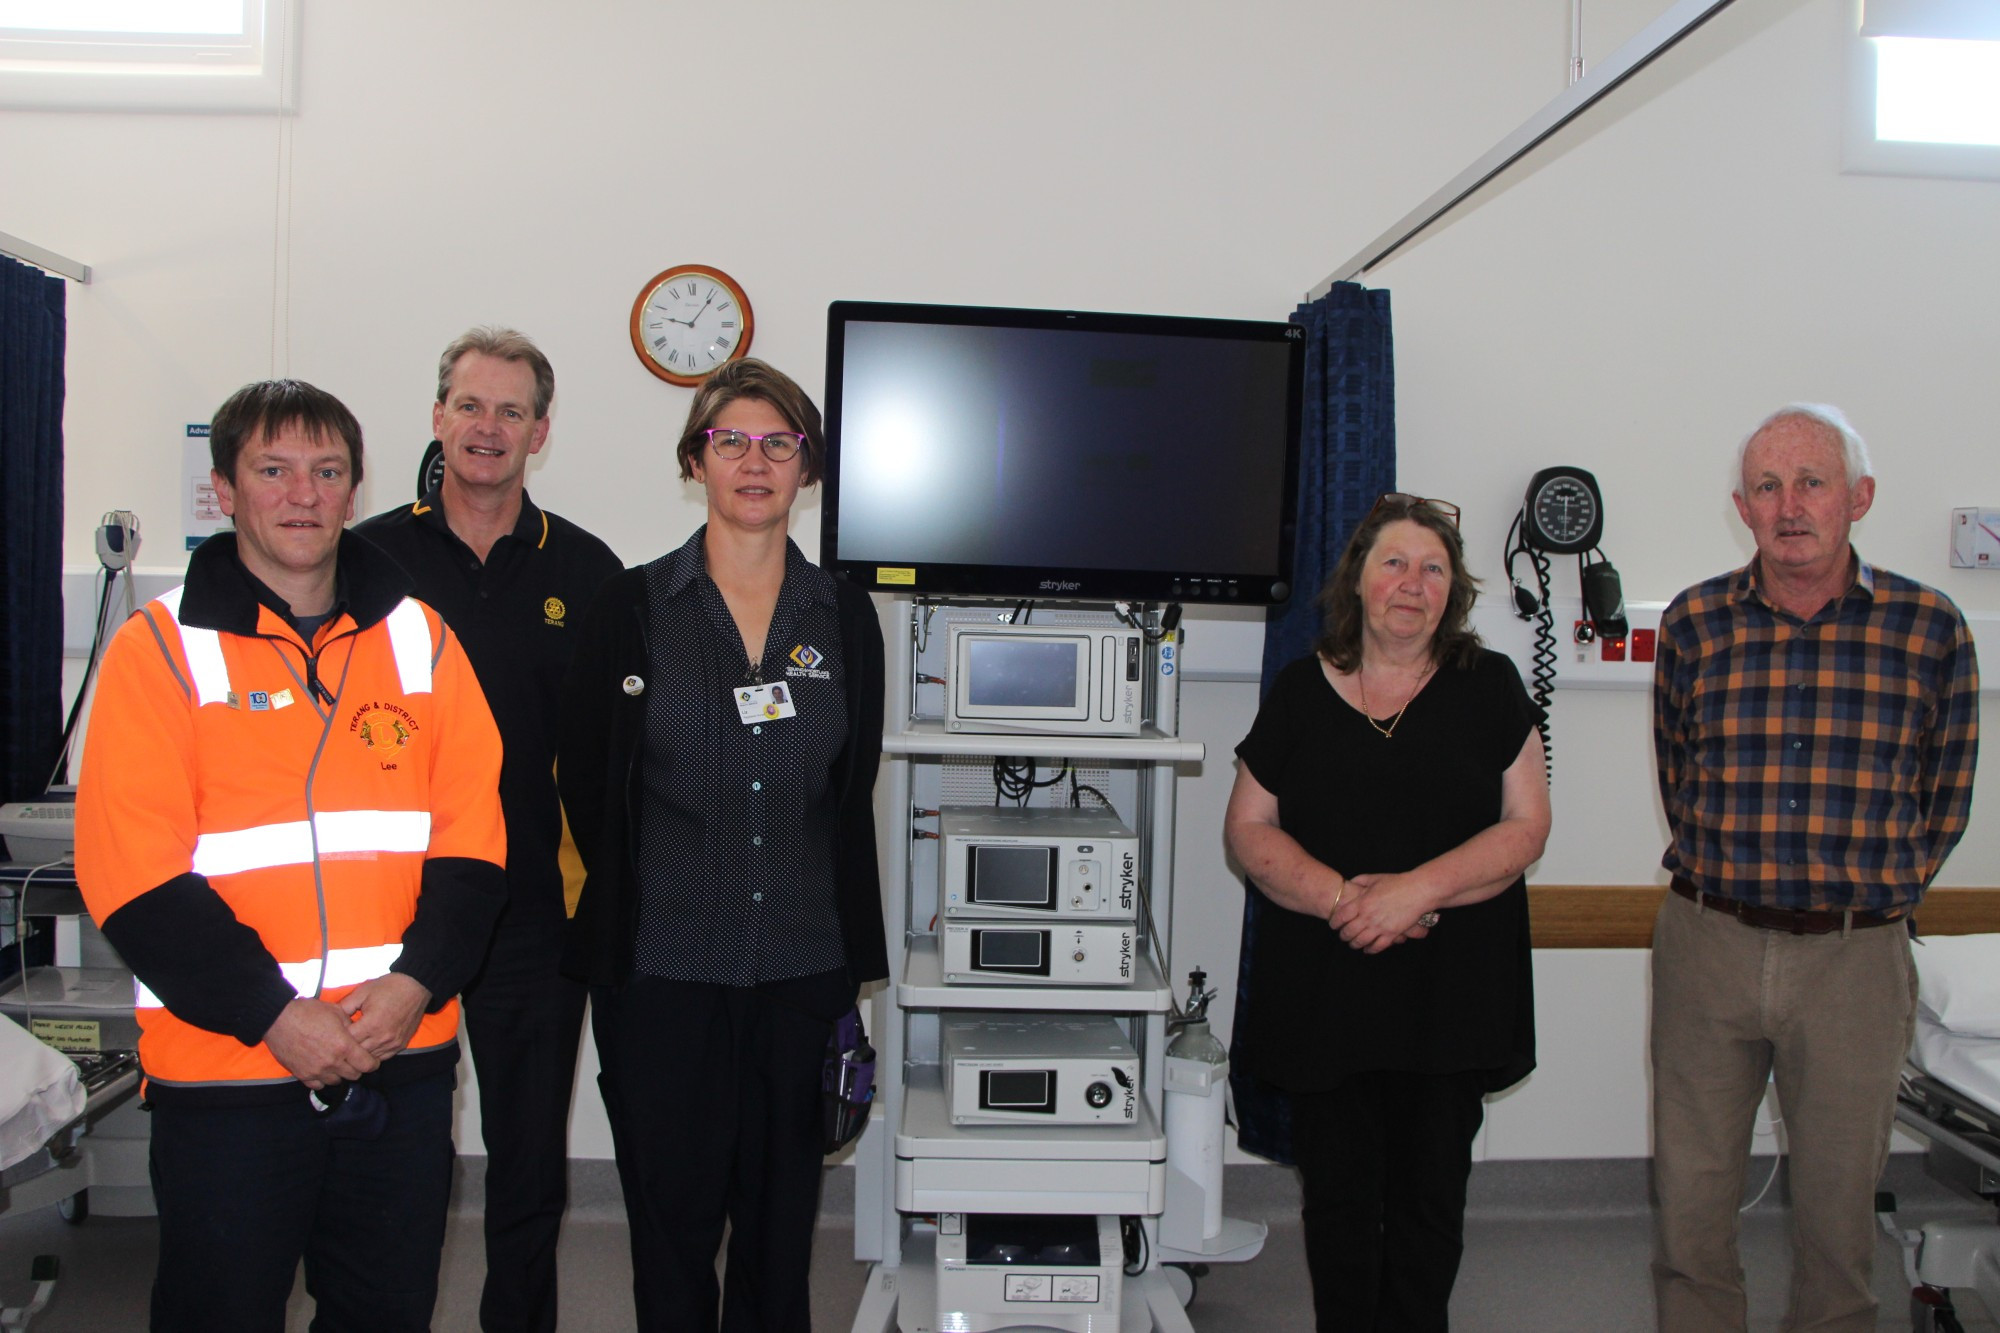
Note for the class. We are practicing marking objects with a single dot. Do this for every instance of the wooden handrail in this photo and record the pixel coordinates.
(1620, 916)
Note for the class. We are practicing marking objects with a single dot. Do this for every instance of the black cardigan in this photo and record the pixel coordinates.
(597, 771)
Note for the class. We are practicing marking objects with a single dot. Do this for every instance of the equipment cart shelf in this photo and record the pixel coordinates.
(943, 1167)
(922, 987)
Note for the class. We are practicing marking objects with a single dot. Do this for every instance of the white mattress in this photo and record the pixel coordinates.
(1969, 1064)
(39, 1093)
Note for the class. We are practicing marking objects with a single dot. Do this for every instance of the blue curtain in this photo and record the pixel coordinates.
(1347, 458)
(32, 336)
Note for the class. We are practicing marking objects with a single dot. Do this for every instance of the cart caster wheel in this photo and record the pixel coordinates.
(75, 1210)
(1182, 1280)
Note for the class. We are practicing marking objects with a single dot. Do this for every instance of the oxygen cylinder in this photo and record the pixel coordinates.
(1197, 1078)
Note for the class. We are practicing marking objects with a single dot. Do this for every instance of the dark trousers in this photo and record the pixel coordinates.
(244, 1193)
(713, 1094)
(523, 1020)
(1384, 1160)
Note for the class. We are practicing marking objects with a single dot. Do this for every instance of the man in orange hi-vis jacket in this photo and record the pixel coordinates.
(289, 825)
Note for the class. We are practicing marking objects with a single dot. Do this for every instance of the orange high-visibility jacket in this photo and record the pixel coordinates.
(258, 819)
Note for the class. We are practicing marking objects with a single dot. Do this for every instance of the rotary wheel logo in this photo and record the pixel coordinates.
(554, 609)
(382, 730)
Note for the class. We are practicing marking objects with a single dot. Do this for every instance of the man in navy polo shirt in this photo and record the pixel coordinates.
(510, 579)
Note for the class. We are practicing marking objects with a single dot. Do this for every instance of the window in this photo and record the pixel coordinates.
(1924, 89)
(165, 55)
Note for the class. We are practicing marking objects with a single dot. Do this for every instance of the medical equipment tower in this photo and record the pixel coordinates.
(920, 1176)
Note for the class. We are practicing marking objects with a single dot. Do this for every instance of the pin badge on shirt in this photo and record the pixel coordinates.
(763, 703)
(634, 686)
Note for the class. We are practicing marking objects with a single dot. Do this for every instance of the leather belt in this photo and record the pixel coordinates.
(1791, 920)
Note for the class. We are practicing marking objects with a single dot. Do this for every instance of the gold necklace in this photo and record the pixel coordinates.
(1361, 679)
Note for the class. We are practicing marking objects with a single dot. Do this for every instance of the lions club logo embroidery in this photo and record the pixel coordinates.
(383, 728)
(553, 610)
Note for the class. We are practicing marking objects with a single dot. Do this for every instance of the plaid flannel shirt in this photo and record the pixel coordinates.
(1822, 764)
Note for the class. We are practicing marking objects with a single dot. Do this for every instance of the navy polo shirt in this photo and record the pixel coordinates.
(514, 614)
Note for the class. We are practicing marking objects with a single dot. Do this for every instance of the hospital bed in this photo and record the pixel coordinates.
(48, 1104)
(68, 1120)
(1950, 1095)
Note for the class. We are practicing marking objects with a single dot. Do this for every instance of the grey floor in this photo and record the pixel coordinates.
(1550, 1246)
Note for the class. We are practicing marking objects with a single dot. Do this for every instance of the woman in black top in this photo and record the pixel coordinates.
(1390, 794)
(723, 725)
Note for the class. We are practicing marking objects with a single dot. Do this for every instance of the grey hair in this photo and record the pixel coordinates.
(503, 345)
(1853, 448)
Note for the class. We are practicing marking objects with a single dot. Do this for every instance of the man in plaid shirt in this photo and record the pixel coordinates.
(1816, 722)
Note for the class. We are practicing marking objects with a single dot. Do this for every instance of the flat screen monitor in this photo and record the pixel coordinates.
(1051, 454)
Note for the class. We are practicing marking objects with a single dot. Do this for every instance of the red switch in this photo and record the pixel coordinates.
(1642, 644)
(1614, 650)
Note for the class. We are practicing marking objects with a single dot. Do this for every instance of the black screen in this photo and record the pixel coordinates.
(1013, 876)
(1022, 673)
(1010, 951)
(1050, 453)
(1017, 1090)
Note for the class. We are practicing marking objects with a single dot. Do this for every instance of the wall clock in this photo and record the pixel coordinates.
(688, 321)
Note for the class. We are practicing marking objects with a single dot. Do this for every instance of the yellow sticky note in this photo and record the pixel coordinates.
(68, 1034)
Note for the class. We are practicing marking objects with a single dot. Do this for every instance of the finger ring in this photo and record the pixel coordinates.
(1427, 920)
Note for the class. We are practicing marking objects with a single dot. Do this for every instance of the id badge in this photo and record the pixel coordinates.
(763, 703)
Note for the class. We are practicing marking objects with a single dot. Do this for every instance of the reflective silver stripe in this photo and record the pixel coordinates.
(302, 977)
(348, 967)
(373, 830)
(203, 648)
(410, 636)
(409, 639)
(344, 967)
(291, 844)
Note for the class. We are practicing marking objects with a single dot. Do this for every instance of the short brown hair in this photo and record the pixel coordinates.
(504, 345)
(1340, 639)
(268, 407)
(751, 378)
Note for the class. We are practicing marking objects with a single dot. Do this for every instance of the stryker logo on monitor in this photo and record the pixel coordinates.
(1059, 585)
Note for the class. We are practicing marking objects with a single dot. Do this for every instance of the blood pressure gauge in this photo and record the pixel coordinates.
(430, 472)
(1564, 511)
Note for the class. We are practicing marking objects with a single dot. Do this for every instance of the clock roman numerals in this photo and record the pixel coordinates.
(688, 321)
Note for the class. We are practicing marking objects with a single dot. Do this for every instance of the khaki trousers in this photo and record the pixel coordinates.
(1832, 1018)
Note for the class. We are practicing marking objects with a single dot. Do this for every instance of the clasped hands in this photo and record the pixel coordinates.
(1374, 911)
(323, 1042)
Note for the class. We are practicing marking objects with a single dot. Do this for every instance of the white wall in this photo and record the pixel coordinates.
(1632, 299)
